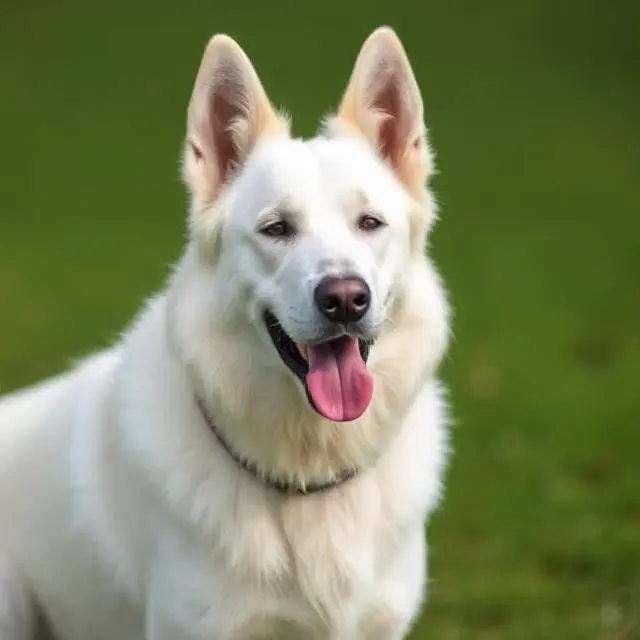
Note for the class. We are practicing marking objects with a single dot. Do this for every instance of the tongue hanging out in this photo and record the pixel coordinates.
(338, 381)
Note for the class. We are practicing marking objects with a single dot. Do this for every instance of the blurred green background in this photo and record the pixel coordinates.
(534, 110)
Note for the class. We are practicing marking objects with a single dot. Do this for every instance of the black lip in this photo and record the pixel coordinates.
(290, 355)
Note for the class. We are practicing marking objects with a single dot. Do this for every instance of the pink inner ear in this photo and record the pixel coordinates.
(224, 110)
(392, 133)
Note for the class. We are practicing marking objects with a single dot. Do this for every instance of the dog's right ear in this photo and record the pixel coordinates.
(229, 111)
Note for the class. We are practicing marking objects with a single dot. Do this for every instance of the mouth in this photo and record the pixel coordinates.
(334, 373)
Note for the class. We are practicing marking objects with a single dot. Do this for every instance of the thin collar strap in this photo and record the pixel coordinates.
(282, 486)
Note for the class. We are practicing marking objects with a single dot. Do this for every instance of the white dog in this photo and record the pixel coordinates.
(257, 458)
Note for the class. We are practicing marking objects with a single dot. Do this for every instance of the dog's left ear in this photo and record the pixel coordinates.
(383, 103)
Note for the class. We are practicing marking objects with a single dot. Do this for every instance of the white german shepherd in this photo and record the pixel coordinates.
(257, 457)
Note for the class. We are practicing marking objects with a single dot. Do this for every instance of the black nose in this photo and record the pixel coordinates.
(342, 300)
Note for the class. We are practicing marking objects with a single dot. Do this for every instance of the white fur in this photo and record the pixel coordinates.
(122, 517)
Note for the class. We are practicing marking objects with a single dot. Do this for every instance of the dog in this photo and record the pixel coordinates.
(257, 456)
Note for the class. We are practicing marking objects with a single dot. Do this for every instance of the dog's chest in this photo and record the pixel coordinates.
(311, 567)
(332, 550)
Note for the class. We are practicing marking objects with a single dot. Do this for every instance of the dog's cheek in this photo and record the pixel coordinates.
(205, 230)
(391, 265)
(419, 222)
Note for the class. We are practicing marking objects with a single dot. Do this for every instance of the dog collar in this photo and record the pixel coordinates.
(282, 486)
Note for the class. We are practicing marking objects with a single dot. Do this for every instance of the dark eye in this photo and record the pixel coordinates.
(368, 222)
(278, 229)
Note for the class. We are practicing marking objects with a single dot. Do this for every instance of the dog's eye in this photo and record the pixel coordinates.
(367, 222)
(278, 229)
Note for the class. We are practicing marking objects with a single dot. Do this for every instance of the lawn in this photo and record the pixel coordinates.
(533, 108)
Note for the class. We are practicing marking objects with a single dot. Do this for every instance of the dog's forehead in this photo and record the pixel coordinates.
(324, 172)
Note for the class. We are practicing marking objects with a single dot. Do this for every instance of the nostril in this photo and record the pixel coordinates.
(331, 303)
(361, 300)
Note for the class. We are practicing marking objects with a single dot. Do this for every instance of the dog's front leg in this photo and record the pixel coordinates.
(164, 627)
(160, 628)
(174, 610)
(401, 591)
(385, 628)
(17, 611)
(162, 623)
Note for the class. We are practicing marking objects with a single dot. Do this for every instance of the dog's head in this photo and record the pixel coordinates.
(310, 241)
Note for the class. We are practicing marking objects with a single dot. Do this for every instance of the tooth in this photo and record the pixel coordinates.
(302, 349)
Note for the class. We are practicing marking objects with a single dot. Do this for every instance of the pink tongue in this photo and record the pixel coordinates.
(339, 383)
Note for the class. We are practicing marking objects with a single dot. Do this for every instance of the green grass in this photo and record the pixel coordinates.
(533, 107)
